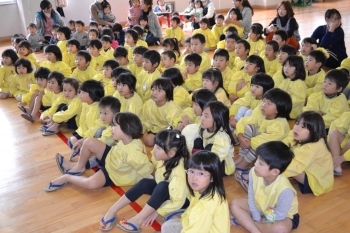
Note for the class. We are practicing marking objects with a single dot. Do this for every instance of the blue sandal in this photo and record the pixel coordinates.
(52, 187)
(28, 117)
(112, 221)
(173, 214)
(59, 161)
(49, 132)
(23, 109)
(134, 228)
(73, 154)
(239, 175)
(74, 173)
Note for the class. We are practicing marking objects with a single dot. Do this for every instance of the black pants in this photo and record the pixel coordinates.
(71, 122)
(159, 192)
(332, 62)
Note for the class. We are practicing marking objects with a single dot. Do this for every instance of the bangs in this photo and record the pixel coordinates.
(116, 119)
(159, 140)
(200, 163)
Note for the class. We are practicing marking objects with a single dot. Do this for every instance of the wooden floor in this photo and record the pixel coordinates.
(27, 165)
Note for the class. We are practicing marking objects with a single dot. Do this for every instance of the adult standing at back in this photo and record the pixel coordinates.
(46, 18)
(153, 24)
(331, 37)
(285, 21)
(97, 14)
(208, 12)
(247, 15)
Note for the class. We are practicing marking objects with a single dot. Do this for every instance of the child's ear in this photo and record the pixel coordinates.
(340, 89)
(275, 171)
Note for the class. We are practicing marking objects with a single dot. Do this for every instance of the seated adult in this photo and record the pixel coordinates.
(46, 18)
(247, 14)
(208, 12)
(331, 37)
(285, 21)
(97, 14)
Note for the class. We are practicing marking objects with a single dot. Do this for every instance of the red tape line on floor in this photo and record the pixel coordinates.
(156, 226)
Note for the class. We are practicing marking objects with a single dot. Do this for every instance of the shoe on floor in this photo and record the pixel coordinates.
(28, 117)
(49, 132)
(112, 222)
(52, 187)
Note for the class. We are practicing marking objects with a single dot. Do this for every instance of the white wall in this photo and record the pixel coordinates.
(10, 21)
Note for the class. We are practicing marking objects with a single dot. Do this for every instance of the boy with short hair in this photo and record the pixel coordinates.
(209, 36)
(230, 46)
(97, 59)
(281, 37)
(136, 66)
(69, 57)
(93, 34)
(93, 25)
(242, 49)
(119, 33)
(220, 62)
(168, 60)
(308, 44)
(54, 29)
(150, 62)
(63, 35)
(80, 34)
(270, 58)
(140, 41)
(197, 46)
(71, 25)
(34, 38)
(83, 71)
(283, 53)
(230, 30)
(131, 38)
(107, 49)
(218, 28)
(175, 31)
(315, 74)
(121, 56)
(272, 204)
(106, 77)
(191, 75)
(330, 103)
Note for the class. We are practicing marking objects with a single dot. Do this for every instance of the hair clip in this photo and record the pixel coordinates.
(169, 127)
(177, 135)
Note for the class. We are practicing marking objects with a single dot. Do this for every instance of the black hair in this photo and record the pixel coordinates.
(233, 36)
(222, 53)
(153, 56)
(93, 24)
(200, 2)
(129, 123)
(175, 13)
(71, 22)
(263, 80)
(120, 51)
(214, 75)
(111, 63)
(339, 77)
(221, 116)
(32, 25)
(330, 12)
(257, 29)
(25, 63)
(245, 44)
(282, 34)
(44, 4)
(282, 100)
(173, 43)
(96, 43)
(127, 79)
(42, 73)
(258, 61)
(175, 19)
(95, 31)
(188, 40)
(104, 6)
(140, 50)
(150, 3)
(144, 18)
(11, 54)
(204, 20)
(94, 89)
(138, 29)
(108, 32)
(111, 102)
(55, 50)
(237, 12)
(65, 30)
(74, 42)
(313, 122)
(274, 45)
(319, 56)
(210, 162)
(58, 76)
(175, 76)
(18, 40)
(165, 85)
(232, 30)
(169, 140)
(309, 40)
(202, 97)
(298, 63)
(55, 26)
(199, 37)
(195, 58)
(85, 54)
(117, 27)
(80, 22)
(118, 71)
(170, 54)
(275, 154)
(25, 44)
(73, 82)
(106, 38)
(133, 33)
(290, 50)
(220, 16)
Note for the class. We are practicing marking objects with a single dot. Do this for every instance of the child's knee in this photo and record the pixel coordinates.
(236, 205)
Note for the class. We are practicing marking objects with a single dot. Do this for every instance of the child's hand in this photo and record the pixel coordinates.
(185, 120)
(233, 121)
(78, 144)
(180, 126)
(334, 25)
(184, 75)
(241, 84)
(243, 142)
(150, 219)
(233, 97)
(272, 28)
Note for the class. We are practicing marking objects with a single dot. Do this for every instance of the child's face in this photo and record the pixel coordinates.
(92, 36)
(268, 109)
(32, 30)
(199, 180)
(69, 91)
(306, 48)
(159, 153)
(301, 133)
(289, 70)
(7, 61)
(197, 46)
(158, 95)
(203, 26)
(135, 3)
(240, 50)
(282, 56)
(124, 90)
(279, 40)
(137, 58)
(207, 84)
(192, 4)
(106, 115)
(220, 63)
(94, 51)
(188, 47)
(53, 86)
(129, 40)
(61, 36)
(72, 48)
(42, 82)
(107, 71)
(311, 64)
(54, 33)
(219, 22)
(230, 44)
(51, 57)
(147, 65)
(117, 133)
(253, 36)
(23, 51)
(143, 23)
(21, 70)
(173, 24)
(166, 61)
(107, 10)
(233, 16)
(191, 68)
(261, 169)
(79, 28)
(168, 48)
(256, 90)
(72, 26)
(250, 68)
(329, 87)
(161, 2)
(269, 53)
(207, 120)
(123, 61)
(106, 45)
(197, 109)
(85, 97)
(197, 5)
(81, 63)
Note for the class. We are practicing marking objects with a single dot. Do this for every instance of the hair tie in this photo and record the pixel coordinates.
(323, 51)
(177, 135)
(169, 127)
